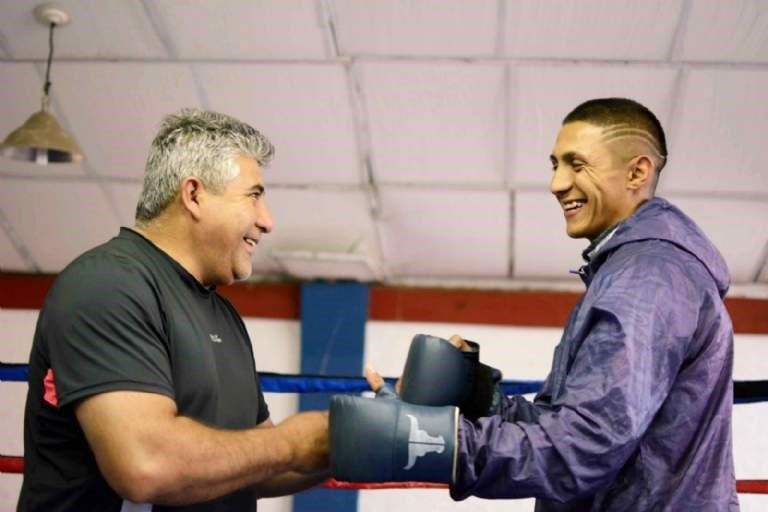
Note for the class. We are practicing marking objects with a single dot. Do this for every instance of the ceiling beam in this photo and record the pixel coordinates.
(634, 63)
(676, 43)
(749, 196)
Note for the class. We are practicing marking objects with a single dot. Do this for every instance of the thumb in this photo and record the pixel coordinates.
(458, 342)
(375, 380)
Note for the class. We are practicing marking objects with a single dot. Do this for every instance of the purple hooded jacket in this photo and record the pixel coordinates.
(636, 411)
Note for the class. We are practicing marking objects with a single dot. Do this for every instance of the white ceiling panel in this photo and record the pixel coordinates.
(591, 29)
(304, 109)
(726, 31)
(125, 197)
(243, 29)
(435, 122)
(545, 94)
(115, 109)
(740, 242)
(542, 248)
(422, 27)
(316, 221)
(103, 29)
(459, 233)
(10, 259)
(723, 119)
(56, 221)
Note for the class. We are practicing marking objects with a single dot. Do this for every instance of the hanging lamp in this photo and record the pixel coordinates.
(41, 139)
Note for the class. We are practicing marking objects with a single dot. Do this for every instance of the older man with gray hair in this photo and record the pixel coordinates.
(143, 391)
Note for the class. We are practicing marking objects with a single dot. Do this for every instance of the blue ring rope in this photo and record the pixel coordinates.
(745, 391)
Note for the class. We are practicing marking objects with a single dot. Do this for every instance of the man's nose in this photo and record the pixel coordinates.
(264, 218)
(562, 180)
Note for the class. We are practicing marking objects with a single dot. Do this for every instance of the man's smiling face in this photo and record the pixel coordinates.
(589, 180)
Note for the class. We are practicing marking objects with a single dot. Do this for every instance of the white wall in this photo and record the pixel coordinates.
(522, 353)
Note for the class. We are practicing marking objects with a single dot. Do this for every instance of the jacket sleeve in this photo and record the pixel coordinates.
(622, 353)
(517, 408)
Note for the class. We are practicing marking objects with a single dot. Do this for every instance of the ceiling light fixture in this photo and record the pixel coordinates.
(41, 139)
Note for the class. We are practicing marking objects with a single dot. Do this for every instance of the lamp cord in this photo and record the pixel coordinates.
(47, 86)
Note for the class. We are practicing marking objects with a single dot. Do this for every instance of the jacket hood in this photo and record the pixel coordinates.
(658, 219)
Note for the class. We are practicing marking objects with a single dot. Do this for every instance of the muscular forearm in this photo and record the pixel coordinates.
(149, 454)
(290, 483)
(195, 463)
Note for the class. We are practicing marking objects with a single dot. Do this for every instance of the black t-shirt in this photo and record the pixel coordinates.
(125, 316)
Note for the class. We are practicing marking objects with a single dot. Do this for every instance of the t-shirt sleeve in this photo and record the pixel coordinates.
(104, 332)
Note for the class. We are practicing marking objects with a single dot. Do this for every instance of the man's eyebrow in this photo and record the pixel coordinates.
(567, 157)
(257, 188)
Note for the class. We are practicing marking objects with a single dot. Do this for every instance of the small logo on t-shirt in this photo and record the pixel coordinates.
(215, 338)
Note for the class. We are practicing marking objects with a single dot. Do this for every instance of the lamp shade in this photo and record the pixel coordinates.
(42, 140)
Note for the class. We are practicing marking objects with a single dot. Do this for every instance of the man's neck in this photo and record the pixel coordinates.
(169, 237)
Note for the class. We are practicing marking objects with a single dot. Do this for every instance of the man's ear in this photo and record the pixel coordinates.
(640, 172)
(192, 194)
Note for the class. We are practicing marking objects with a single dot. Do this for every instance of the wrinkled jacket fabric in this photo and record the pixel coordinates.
(636, 411)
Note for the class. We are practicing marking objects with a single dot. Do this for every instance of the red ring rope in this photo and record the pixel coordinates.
(15, 464)
(335, 484)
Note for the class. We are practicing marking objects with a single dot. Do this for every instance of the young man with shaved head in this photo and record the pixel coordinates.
(635, 414)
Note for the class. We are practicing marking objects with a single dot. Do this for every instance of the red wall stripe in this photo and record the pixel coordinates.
(389, 303)
(24, 291)
(265, 300)
(548, 309)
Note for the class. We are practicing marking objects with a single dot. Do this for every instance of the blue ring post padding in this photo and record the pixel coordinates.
(333, 318)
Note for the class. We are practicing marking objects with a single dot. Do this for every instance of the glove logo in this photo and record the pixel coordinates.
(421, 443)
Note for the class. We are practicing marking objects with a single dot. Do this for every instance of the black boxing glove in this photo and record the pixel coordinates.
(379, 440)
(438, 373)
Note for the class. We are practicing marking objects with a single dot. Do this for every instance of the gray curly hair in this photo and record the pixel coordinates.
(196, 143)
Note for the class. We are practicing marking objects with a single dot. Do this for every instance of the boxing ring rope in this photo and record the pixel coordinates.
(743, 392)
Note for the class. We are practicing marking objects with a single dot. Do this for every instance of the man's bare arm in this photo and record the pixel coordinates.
(150, 454)
(290, 482)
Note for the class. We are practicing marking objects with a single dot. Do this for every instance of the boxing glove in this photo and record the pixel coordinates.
(375, 440)
(438, 373)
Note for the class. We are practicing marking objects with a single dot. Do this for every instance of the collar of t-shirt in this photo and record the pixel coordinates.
(183, 272)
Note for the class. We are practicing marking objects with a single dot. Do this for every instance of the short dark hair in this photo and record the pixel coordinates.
(612, 111)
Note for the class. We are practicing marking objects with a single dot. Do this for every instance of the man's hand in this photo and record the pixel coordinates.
(307, 433)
